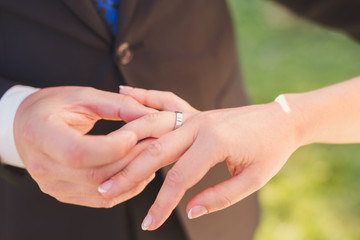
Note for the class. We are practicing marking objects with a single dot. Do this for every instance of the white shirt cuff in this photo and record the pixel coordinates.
(9, 103)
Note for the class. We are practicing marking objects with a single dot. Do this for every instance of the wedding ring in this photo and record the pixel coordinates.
(178, 120)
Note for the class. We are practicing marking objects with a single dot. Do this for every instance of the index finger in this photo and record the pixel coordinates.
(112, 106)
(188, 171)
(73, 149)
(159, 153)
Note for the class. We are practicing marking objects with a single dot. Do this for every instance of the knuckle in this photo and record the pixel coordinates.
(171, 95)
(78, 94)
(215, 132)
(210, 121)
(37, 170)
(174, 178)
(91, 89)
(210, 117)
(73, 201)
(85, 91)
(158, 207)
(94, 203)
(64, 200)
(151, 117)
(74, 156)
(257, 183)
(28, 132)
(107, 203)
(47, 188)
(216, 135)
(128, 177)
(154, 149)
(126, 101)
(150, 92)
(223, 201)
(94, 176)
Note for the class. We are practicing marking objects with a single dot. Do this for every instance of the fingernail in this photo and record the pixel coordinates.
(123, 87)
(105, 187)
(146, 223)
(197, 211)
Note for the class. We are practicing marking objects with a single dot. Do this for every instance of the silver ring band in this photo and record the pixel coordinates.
(178, 120)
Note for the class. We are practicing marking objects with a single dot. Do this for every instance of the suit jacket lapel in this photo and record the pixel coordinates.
(126, 13)
(88, 14)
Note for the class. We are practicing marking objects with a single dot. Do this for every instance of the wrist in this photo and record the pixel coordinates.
(297, 119)
(9, 105)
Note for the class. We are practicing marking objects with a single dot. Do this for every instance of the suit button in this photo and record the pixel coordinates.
(124, 53)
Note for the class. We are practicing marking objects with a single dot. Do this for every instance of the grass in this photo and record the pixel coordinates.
(317, 194)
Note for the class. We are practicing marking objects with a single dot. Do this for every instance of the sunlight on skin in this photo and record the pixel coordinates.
(281, 100)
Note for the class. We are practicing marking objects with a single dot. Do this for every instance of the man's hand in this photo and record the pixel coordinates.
(49, 130)
(255, 141)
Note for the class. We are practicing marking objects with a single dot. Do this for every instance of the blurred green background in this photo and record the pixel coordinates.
(317, 194)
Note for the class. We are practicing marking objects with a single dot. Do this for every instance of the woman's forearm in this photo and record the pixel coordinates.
(326, 115)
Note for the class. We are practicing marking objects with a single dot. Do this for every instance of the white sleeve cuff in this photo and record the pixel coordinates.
(9, 103)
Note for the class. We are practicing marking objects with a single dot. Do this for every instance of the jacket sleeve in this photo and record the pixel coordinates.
(339, 14)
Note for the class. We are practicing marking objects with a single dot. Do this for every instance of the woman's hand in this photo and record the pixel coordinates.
(255, 141)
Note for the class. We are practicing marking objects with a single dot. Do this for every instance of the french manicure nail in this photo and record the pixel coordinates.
(146, 223)
(197, 211)
(124, 87)
(105, 187)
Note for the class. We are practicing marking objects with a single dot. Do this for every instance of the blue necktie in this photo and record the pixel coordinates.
(109, 10)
